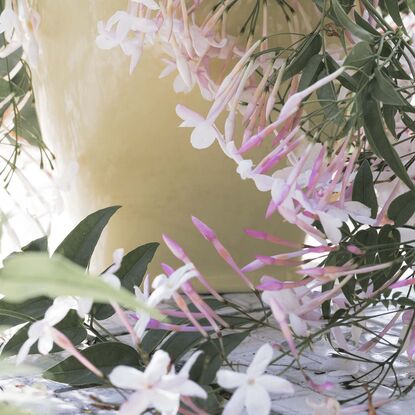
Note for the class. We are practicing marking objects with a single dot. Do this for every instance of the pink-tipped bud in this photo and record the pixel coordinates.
(271, 238)
(265, 259)
(354, 250)
(272, 207)
(174, 247)
(168, 270)
(207, 232)
(270, 284)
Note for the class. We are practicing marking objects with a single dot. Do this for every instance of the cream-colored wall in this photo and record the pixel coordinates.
(123, 131)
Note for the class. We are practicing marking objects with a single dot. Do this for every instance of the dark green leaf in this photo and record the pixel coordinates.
(79, 245)
(384, 91)
(38, 245)
(71, 326)
(389, 112)
(365, 25)
(327, 96)
(406, 302)
(359, 55)
(389, 238)
(393, 9)
(379, 141)
(310, 72)
(309, 48)
(105, 356)
(346, 80)
(16, 313)
(402, 208)
(349, 24)
(363, 189)
(209, 362)
(180, 343)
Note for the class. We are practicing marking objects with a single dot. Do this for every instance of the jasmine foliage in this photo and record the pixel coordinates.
(347, 125)
(56, 276)
(19, 122)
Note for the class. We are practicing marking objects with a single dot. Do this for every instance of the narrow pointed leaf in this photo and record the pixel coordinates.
(349, 24)
(363, 189)
(402, 208)
(79, 245)
(379, 141)
(105, 356)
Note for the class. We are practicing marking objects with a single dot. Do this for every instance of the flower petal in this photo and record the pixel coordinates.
(331, 226)
(275, 384)
(158, 366)
(257, 400)
(127, 377)
(203, 136)
(236, 404)
(190, 118)
(261, 360)
(189, 363)
(164, 401)
(229, 379)
(137, 403)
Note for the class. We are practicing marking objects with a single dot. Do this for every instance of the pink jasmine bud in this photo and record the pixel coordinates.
(354, 250)
(175, 248)
(321, 387)
(271, 238)
(271, 209)
(270, 284)
(207, 232)
(168, 270)
(210, 235)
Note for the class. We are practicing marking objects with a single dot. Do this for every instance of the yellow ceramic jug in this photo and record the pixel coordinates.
(123, 132)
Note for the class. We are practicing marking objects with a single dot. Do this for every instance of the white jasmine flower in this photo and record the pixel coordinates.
(204, 133)
(41, 332)
(156, 387)
(253, 387)
(165, 286)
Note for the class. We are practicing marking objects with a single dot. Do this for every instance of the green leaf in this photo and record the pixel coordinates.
(180, 343)
(389, 112)
(350, 25)
(384, 91)
(308, 49)
(393, 9)
(346, 80)
(379, 141)
(310, 72)
(364, 190)
(79, 245)
(12, 314)
(29, 275)
(105, 356)
(209, 362)
(365, 25)
(38, 245)
(328, 101)
(132, 271)
(402, 208)
(360, 55)
(71, 326)
(389, 238)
